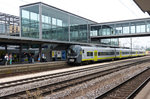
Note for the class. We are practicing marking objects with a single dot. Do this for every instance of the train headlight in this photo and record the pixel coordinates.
(71, 60)
(69, 51)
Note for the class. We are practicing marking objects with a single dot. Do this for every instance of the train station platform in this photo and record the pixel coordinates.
(144, 93)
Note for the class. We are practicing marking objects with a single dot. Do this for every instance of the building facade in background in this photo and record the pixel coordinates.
(9, 24)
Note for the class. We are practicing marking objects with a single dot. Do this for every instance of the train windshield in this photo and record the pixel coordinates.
(73, 51)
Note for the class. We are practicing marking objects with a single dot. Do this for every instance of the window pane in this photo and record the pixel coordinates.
(30, 21)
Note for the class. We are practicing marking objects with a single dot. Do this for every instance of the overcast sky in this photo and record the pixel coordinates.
(96, 10)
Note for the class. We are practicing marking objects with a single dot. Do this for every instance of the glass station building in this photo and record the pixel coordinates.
(42, 21)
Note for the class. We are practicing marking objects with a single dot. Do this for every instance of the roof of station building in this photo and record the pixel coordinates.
(143, 5)
(58, 9)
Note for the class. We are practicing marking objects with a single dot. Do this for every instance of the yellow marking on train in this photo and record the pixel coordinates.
(120, 56)
(95, 55)
(97, 58)
(87, 59)
(90, 51)
(80, 52)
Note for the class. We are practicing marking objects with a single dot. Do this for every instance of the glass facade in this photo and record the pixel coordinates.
(78, 29)
(105, 30)
(42, 21)
(30, 21)
(124, 27)
(9, 24)
(55, 24)
(120, 28)
(114, 42)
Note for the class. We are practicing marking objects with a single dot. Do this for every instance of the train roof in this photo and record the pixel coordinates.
(119, 48)
(96, 47)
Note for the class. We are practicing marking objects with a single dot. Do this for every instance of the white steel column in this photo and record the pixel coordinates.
(88, 32)
(145, 26)
(69, 27)
(20, 21)
(131, 44)
(129, 28)
(40, 21)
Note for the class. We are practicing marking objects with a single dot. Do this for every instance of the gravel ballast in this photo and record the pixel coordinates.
(96, 87)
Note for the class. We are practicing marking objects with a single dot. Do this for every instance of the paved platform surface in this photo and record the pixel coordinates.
(19, 77)
(144, 93)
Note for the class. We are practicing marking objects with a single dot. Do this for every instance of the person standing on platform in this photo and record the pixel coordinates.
(6, 59)
(32, 56)
(43, 58)
(10, 59)
(29, 58)
(56, 57)
(39, 58)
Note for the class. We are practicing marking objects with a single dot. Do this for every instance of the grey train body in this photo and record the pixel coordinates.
(79, 54)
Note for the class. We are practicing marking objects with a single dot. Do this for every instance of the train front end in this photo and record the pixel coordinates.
(74, 54)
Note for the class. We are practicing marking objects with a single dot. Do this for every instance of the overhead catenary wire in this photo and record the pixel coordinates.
(128, 8)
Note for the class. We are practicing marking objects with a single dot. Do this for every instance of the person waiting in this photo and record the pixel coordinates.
(10, 59)
(6, 59)
(43, 58)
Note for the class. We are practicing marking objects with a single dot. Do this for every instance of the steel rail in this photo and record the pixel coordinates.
(132, 94)
(50, 76)
(137, 90)
(110, 71)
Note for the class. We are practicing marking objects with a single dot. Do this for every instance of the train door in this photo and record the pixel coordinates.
(95, 55)
(120, 54)
(136, 53)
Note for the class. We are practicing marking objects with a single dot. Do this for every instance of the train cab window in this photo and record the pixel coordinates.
(82, 51)
(133, 52)
(99, 53)
(103, 53)
(89, 53)
(124, 52)
(108, 53)
(117, 53)
(111, 53)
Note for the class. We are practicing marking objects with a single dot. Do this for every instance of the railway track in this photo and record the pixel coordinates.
(67, 79)
(129, 88)
(39, 78)
(12, 70)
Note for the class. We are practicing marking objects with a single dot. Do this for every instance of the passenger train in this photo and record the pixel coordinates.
(80, 54)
